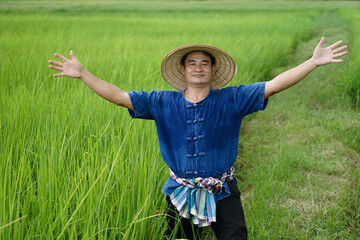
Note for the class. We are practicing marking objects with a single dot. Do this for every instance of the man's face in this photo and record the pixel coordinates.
(198, 69)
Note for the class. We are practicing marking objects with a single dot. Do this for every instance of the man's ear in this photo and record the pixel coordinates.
(182, 70)
(213, 70)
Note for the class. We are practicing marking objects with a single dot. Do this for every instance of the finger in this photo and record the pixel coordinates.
(56, 63)
(339, 49)
(72, 55)
(56, 68)
(337, 60)
(339, 54)
(59, 75)
(335, 45)
(61, 57)
(321, 43)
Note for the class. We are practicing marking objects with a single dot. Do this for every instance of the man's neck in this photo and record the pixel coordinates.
(193, 94)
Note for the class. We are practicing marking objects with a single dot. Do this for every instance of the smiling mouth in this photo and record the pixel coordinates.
(198, 75)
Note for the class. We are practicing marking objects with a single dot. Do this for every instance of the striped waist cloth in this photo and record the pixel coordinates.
(195, 197)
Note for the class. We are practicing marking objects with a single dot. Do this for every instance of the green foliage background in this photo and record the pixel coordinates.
(75, 166)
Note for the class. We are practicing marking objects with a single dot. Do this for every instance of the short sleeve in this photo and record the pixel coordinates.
(143, 104)
(250, 98)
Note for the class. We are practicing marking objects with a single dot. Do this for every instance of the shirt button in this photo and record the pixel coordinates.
(195, 155)
(195, 138)
(195, 121)
(195, 104)
(195, 172)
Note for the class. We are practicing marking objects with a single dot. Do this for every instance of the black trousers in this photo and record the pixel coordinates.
(230, 220)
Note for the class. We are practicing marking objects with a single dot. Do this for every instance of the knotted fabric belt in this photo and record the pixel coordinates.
(196, 197)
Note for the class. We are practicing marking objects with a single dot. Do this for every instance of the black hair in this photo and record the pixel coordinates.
(212, 58)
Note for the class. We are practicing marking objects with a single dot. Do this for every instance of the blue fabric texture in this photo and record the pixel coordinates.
(199, 139)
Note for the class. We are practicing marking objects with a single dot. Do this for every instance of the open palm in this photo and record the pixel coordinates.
(327, 55)
(69, 68)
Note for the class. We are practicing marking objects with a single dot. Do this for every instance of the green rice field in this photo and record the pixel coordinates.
(74, 166)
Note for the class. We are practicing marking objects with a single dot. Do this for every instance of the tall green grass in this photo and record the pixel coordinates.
(75, 166)
(171, 5)
(300, 162)
(352, 77)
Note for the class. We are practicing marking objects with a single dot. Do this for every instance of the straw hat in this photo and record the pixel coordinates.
(171, 66)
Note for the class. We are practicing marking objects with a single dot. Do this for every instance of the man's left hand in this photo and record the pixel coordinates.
(329, 54)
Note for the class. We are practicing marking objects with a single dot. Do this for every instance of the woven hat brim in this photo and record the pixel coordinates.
(171, 66)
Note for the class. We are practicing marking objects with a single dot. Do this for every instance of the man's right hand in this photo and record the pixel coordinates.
(73, 68)
(69, 68)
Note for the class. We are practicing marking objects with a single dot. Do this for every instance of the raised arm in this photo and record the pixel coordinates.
(321, 56)
(74, 69)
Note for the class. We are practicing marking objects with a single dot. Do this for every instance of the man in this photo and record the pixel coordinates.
(198, 129)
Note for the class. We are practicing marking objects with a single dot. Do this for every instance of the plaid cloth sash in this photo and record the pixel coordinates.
(196, 197)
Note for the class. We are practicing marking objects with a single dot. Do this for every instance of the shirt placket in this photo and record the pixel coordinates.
(195, 140)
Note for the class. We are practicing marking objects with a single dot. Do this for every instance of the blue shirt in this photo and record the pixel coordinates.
(199, 139)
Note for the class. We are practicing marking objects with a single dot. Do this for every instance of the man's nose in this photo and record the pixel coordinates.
(198, 67)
